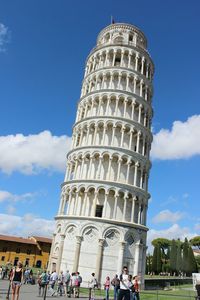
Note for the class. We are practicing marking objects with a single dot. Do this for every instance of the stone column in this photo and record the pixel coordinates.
(125, 207)
(125, 105)
(133, 110)
(119, 81)
(77, 253)
(61, 204)
(130, 140)
(135, 173)
(51, 254)
(94, 204)
(138, 254)
(133, 210)
(128, 171)
(129, 59)
(140, 112)
(136, 62)
(116, 106)
(122, 137)
(107, 106)
(113, 135)
(114, 56)
(109, 168)
(75, 169)
(99, 259)
(119, 168)
(95, 134)
(146, 93)
(122, 59)
(120, 257)
(127, 82)
(105, 205)
(62, 236)
(139, 212)
(70, 202)
(135, 83)
(99, 108)
(99, 167)
(138, 141)
(104, 134)
(83, 208)
(141, 87)
(147, 71)
(141, 177)
(115, 206)
(142, 68)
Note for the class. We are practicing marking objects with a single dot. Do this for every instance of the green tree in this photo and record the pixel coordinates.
(173, 257)
(195, 242)
(191, 262)
(197, 258)
(179, 259)
(163, 243)
(159, 260)
(185, 256)
(154, 259)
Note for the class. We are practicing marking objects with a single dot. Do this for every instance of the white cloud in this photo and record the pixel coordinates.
(33, 153)
(173, 232)
(26, 225)
(197, 227)
(4, 36)
(166, 216)
(179, 143)
(10, 209)
(7, 196)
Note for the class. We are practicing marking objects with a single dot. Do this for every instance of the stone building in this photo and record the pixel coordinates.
(32, 252)
(101, 222)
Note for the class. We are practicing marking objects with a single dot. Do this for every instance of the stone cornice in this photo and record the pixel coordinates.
(113, 184)
(137, 125)
(121, 26)
(121, 45)
(103, 220)
(120, 92)
(120, 69)
(123, 151)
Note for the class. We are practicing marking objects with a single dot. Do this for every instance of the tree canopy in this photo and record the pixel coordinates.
(195, 242)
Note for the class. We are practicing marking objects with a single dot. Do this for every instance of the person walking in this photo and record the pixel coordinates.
(16, 280)
(78, 282)
(136, 294)
(53, 278)
(131, 286)
(124, 291)
(42, 282)
(107, 287)
(67, 283)
(92, 284)
(60, 283)
(116, 284)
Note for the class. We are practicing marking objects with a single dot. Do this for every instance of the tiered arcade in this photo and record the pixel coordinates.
(101, 222)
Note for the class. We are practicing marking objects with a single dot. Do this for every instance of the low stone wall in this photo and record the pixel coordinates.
(161, 283)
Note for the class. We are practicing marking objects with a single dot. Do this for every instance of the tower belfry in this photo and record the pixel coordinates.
(101, 222)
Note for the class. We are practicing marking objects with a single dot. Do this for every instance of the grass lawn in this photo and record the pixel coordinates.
(181, 294)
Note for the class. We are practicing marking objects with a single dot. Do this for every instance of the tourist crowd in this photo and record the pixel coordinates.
(125, 286)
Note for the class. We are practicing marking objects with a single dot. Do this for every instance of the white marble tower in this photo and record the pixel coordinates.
(101, 222)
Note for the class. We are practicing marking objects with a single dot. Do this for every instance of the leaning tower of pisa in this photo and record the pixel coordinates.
(101, 222)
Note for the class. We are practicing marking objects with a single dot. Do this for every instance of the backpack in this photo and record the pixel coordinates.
(79, 279)
(95, 283)
(77, 283)
(44, 278)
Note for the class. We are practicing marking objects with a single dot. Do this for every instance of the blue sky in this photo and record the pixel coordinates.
(43, 48)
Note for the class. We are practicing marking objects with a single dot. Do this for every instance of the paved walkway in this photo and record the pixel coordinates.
(30, 292)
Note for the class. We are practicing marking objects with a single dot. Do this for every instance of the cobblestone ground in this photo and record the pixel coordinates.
(30, 292)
